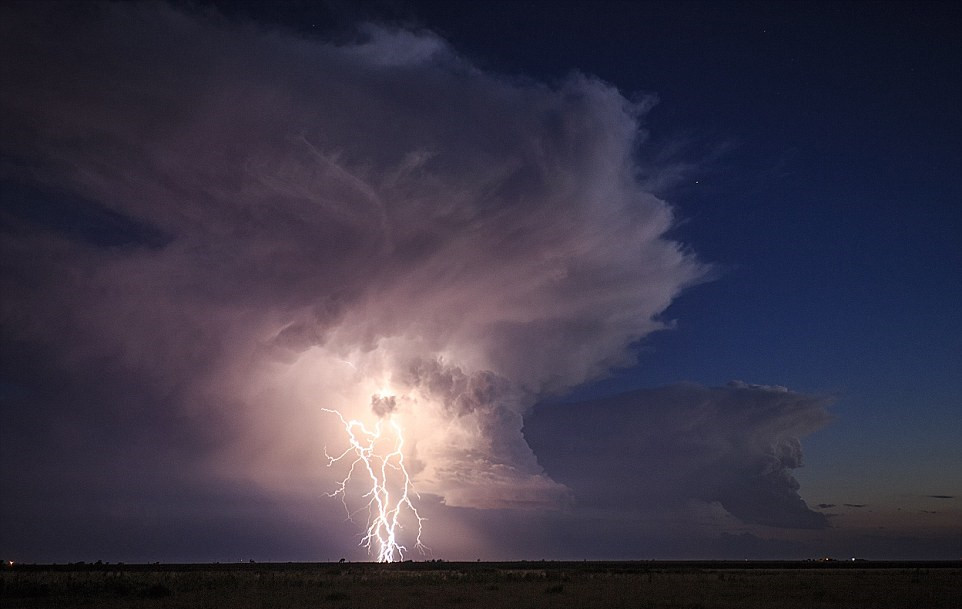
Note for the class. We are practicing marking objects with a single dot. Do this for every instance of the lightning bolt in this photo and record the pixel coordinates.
(390, 491)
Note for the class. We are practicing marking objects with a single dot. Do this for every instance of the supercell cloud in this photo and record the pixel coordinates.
(212, 230)
(324, 219)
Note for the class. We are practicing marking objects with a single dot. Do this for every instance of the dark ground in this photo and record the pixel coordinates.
(519, 585)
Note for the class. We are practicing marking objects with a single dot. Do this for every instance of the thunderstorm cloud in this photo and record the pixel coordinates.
(326, 214)
(212, 230)
(734, 446)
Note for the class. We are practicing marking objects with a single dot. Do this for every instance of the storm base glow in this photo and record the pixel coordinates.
(377, 463)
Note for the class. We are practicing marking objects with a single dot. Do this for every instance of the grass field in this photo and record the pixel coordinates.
(635, 585)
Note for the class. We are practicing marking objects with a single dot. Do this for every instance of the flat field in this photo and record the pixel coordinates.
(521, 585)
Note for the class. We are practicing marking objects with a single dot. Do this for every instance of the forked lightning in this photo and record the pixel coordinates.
(389, 497)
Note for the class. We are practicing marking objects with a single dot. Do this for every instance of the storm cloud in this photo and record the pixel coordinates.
(668, 448)
(212, 231)
(260, 224)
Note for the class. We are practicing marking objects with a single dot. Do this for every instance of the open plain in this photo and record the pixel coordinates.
(519, 585)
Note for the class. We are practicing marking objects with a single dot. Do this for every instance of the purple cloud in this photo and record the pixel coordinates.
(266, 225)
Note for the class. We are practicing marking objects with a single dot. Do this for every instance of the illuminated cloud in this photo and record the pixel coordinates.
(269, 225)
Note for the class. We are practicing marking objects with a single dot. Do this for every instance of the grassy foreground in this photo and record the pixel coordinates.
(635, 585)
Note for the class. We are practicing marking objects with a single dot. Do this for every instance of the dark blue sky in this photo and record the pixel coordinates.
(824, 149)
(811, 152)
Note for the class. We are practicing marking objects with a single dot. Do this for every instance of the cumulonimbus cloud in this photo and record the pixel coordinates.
(293, 223)
(664, 448)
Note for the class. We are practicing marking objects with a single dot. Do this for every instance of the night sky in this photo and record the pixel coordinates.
(637, 280)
